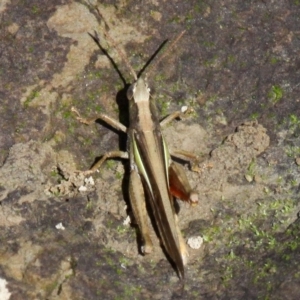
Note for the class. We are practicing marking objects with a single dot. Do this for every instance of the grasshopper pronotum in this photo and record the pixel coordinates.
(151, 168)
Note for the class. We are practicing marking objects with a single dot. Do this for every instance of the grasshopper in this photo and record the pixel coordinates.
(154, 176)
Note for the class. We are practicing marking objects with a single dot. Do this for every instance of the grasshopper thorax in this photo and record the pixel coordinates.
(139, 91)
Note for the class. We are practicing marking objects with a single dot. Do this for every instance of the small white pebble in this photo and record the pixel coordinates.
(127, 221)
(82, 188)
(249, 178)
(60, 226)
(184, 109)
(89, 180)
(195, 242)
(4, 292)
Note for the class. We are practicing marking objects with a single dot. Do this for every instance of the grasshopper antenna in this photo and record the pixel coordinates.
(152, 57)
(114, 44)
(152, 68)
(96, 39)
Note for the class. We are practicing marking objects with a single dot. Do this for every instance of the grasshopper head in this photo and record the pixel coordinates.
(139, 91)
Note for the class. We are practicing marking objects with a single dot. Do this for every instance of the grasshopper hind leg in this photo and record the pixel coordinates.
(179, 184)
(180, 189)
(138, 204)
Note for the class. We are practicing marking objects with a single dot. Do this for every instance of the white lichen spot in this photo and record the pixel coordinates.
(195, 242)
(4, 292)
(89, 180)
(184, 109)
(127, 221)
(88, 183)
(82, 188)
(60, 226)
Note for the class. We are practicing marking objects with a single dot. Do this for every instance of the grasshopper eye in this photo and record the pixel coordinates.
(147, 86)
(130, 91)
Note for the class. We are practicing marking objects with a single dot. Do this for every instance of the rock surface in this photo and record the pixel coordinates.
(237, 67)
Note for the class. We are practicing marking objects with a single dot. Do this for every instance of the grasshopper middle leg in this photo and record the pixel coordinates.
(108, 155)
(112, 154)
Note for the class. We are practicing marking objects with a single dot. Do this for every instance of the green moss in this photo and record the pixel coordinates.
(211, 99)
(34, 94)
(175, 19)
(129, 292)
(200, 7)
(257, 238)
(111, 164)
(273, 60)
(297, 275)
(210, 62)
(208, 44)
(231, 58)
(294, 182)
(243, 64)
(227, 275)
(89, 206)
(124, 261)
(164, 105)
(54, 173)
(35, 9)
(292, 151)
(122, 229)
(275, 94)
(294, 119)
(254, 116)
(159, 77)
(67, 114)
(119, 175)
(189, 17)
(49, 288)
(119, 271)
(109, 224)
(251, 168)
(210, 233)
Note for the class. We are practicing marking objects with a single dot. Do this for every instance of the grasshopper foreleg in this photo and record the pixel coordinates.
(174, 115)
(110, 121)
